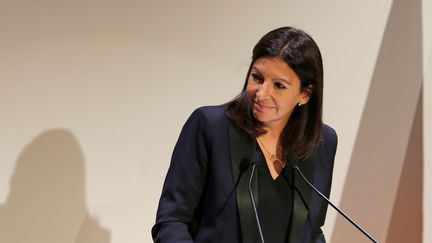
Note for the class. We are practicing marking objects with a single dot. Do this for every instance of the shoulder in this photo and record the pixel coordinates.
(328, 133)
(206, 120)
(211, 115)
(329, 137)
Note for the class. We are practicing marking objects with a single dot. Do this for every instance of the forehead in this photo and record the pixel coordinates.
(274, 67)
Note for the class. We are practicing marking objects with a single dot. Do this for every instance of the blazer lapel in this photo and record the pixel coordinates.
(242, 147)
(301, 194)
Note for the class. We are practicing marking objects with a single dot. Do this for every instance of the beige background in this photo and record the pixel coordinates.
(94, 93)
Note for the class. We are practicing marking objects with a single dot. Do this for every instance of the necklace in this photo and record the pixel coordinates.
(273, 157)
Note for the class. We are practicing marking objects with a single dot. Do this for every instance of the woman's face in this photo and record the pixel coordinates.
(274, 90)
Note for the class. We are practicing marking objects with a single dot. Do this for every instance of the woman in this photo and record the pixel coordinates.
(277, 116)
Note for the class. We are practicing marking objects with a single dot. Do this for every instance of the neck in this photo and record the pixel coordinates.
(273, 132)
(274, 128)
(270, 139)
(271, 135)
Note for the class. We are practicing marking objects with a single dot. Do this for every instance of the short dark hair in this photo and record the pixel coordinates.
(302, 133)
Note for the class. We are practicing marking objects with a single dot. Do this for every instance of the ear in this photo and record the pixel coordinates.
(306, 94)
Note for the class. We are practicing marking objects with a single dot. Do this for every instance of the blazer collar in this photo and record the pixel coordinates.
(301, 194)
(242, 147)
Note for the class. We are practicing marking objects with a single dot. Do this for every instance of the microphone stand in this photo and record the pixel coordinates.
(336, 208)
(254, 165)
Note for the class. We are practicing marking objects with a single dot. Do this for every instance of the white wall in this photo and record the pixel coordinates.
(122, 77)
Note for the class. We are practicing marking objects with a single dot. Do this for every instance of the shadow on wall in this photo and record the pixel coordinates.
(47, 202)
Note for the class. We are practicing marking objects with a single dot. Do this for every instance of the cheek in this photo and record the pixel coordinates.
(287, 103)
(251, 91)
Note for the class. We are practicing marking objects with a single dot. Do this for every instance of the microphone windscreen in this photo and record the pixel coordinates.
(244, 165)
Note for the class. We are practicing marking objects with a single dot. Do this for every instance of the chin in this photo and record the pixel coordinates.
(260, 118)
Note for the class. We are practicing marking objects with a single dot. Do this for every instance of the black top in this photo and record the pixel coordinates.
(275, 205)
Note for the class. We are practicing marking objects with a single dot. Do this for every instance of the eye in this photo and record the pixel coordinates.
(279, 85)
(256, 77)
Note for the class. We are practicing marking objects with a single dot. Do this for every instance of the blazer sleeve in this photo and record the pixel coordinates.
(184, 183)
(329, 144)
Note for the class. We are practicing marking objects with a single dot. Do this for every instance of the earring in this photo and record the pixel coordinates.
(300, 104)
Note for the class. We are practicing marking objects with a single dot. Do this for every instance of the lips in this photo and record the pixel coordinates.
(260, 107)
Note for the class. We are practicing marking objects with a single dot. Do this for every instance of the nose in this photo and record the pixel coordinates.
(264, 90)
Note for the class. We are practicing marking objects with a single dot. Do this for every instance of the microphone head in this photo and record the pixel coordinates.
(244, 165)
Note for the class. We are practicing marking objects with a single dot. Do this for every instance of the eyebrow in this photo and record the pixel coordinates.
(256, 70)
(277, 79)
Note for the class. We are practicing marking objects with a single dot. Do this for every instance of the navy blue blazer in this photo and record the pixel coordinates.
(205, 198)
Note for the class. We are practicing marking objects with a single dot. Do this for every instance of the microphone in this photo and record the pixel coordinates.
(255, 162)
(336, 208)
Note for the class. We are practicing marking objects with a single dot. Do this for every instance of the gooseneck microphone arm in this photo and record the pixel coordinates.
(336, 208)
(254, 165)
